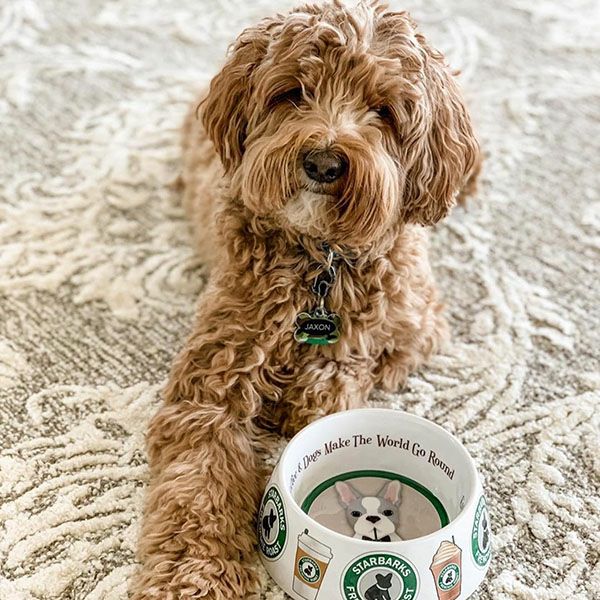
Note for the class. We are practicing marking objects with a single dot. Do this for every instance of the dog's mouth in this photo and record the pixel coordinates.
(313, 207)
(317, 194)
(332, 189)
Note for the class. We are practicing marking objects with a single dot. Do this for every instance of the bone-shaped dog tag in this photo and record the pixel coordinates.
(318, 327)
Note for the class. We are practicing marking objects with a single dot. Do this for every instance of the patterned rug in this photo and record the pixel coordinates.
(98, 279)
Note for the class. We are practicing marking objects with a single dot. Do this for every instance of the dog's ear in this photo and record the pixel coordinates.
(440, 149)
(345, 492)
(225, 108)
(391, 492)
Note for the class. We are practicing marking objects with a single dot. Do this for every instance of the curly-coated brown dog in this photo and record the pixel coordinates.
(330, 138)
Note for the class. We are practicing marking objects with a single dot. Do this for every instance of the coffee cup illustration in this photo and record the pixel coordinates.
(310, 566)
(446, 568)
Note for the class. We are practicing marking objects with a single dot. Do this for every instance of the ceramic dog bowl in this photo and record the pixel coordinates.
(375, 504)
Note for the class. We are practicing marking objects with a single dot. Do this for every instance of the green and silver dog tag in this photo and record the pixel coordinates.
(317, 327)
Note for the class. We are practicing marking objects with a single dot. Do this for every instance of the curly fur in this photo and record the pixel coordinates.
(365, 84)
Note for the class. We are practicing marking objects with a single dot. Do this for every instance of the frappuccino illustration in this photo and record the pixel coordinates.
(446, 568)
(312, 560)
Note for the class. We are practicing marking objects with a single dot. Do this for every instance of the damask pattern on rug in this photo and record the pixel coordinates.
(98, 279)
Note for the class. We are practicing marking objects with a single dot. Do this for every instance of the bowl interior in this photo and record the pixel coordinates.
(365, 448)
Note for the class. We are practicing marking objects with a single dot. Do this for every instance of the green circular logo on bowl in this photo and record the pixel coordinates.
(309, 569)
(380, 575)
(272, 525)
(449, 577)
(481, 536)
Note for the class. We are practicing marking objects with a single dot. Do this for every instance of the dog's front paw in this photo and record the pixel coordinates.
(196, 578)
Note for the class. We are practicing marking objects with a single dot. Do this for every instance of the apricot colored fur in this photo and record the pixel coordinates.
(364, 83)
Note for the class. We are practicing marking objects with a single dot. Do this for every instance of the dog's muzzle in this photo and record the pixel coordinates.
(324, 166)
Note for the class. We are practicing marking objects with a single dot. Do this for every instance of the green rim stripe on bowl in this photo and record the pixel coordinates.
(439, 507)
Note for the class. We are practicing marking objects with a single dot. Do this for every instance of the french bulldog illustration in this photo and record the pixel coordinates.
(372, 518)
(486, 532)
(308, 570)
(380, 589)
(449, 577)
(268, 522)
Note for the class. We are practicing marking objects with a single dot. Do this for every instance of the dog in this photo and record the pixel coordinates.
(328, 142)
(380, 589)
(373, 518)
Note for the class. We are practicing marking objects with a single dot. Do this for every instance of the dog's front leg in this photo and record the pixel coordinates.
(197, 534)
(322, 387)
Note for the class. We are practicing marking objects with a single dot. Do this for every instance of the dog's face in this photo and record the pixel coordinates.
(371, 517)
(339, 123)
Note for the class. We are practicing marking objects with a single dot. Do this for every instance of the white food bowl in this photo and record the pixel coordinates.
(358, 471)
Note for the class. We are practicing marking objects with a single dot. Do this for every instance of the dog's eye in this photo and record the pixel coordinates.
(293, 96)
(384, 113)
(388, 512)
(355, 513)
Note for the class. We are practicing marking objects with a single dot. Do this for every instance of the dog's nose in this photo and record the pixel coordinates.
(324, 166)
(373, 519)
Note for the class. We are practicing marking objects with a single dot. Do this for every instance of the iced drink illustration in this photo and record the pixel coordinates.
(446, 568)
(312, 560)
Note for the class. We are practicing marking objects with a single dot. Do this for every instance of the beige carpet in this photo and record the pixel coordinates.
(98, 281)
